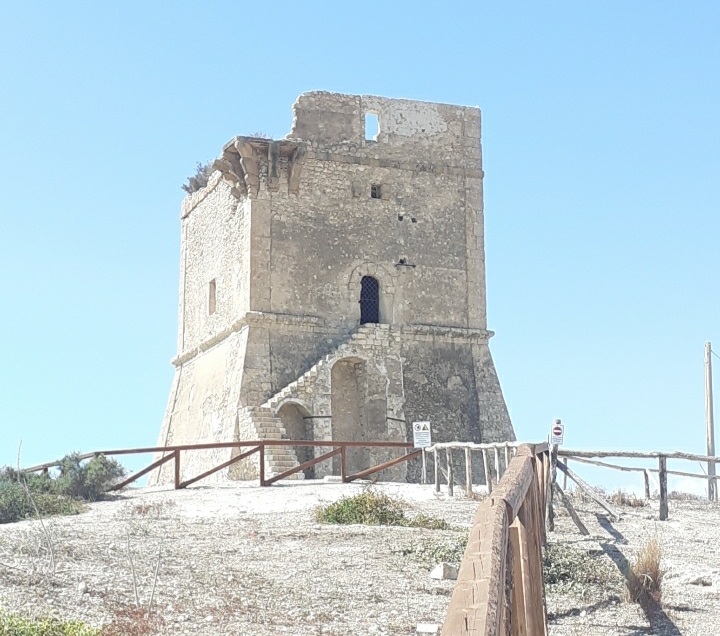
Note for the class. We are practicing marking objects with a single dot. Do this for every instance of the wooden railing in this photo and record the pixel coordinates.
(662, 471)
(173, 453)
(500, 586)
(490, 457)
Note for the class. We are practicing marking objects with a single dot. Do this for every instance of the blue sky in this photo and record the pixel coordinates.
(601, 131)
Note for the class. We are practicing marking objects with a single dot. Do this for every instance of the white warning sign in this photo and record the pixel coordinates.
(557, 433)
(421, 435)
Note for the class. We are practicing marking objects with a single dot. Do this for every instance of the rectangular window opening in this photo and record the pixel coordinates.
(211, 297)
(372, 126)
(376, 191)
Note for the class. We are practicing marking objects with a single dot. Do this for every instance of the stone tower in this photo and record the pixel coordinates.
(332, 286)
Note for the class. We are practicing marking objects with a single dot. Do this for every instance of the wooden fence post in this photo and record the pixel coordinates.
(262, 464)
(450, 478)
(468, 472)
(520, 576)
(564, 487)
(550, 512)
(177, 469)
(646, 476)
(437, 470)
(424, 467)
(343, 465)
(486, 468)
(662, 461)
(497, 462)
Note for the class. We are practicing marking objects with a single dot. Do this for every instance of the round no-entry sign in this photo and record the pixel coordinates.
(556, 433)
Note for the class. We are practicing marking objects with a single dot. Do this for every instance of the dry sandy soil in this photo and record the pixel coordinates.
(238, 559)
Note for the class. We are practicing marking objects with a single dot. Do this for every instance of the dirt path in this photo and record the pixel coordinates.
(244, 560)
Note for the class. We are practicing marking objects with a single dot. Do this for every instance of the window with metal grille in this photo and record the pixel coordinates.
(369, 300)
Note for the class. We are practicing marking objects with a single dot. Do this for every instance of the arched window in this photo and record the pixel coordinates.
(369, 300)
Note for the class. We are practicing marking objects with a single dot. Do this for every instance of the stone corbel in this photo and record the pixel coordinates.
(295, 165)
(249, 163)
(232, 172)
(273, 178)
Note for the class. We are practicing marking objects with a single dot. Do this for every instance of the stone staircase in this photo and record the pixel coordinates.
(278, 459)
(302, 388)
(314, 383)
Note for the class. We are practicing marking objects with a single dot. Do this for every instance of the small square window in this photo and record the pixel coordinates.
(376, 191)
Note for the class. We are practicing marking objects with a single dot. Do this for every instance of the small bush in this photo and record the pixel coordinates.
(578, 571)
(200, 179)
(369, 507)
(374, 509)
(645, 576)
(77, 482)
(450, 550)
(87, 480)
(132, 621)
(430, 523)
(16, 505)
(13, 625)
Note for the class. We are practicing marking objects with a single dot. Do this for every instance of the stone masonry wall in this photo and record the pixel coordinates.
(286, 230)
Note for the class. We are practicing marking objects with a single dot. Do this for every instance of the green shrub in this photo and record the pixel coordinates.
(200, 179)
(12, 625)
(87, 480)
(449, 549)
(374, 509)
(16, 505)
(579, 571)
(77, 482)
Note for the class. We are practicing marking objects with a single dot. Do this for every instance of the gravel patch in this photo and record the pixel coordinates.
(238, 559)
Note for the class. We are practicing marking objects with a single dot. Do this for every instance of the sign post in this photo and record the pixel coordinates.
(421, 435)
(422, 439)
(557, 433)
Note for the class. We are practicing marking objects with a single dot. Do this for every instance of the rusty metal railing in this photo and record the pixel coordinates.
(500, 587)
(254, 446)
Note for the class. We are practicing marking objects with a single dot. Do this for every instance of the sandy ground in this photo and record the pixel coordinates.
(239, 559)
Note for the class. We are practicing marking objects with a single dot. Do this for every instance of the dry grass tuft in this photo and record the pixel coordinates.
(623, 498)
(131, 621)
(155, 508)
(645, 575)
(679, 495)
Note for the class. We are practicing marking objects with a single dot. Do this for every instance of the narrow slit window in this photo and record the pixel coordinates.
(212, 299)
(372, 126)
(376, 191)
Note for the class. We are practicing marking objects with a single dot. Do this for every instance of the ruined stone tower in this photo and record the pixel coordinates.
(332, 286)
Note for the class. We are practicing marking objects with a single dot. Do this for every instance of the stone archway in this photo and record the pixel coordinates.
(298, 425)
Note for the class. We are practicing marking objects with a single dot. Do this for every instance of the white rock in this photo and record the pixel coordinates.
(444, 571)
(427, 628)
(702, 579)
(82, 587)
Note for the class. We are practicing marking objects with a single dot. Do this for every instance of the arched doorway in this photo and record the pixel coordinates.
(369, 300)
(298, 425)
